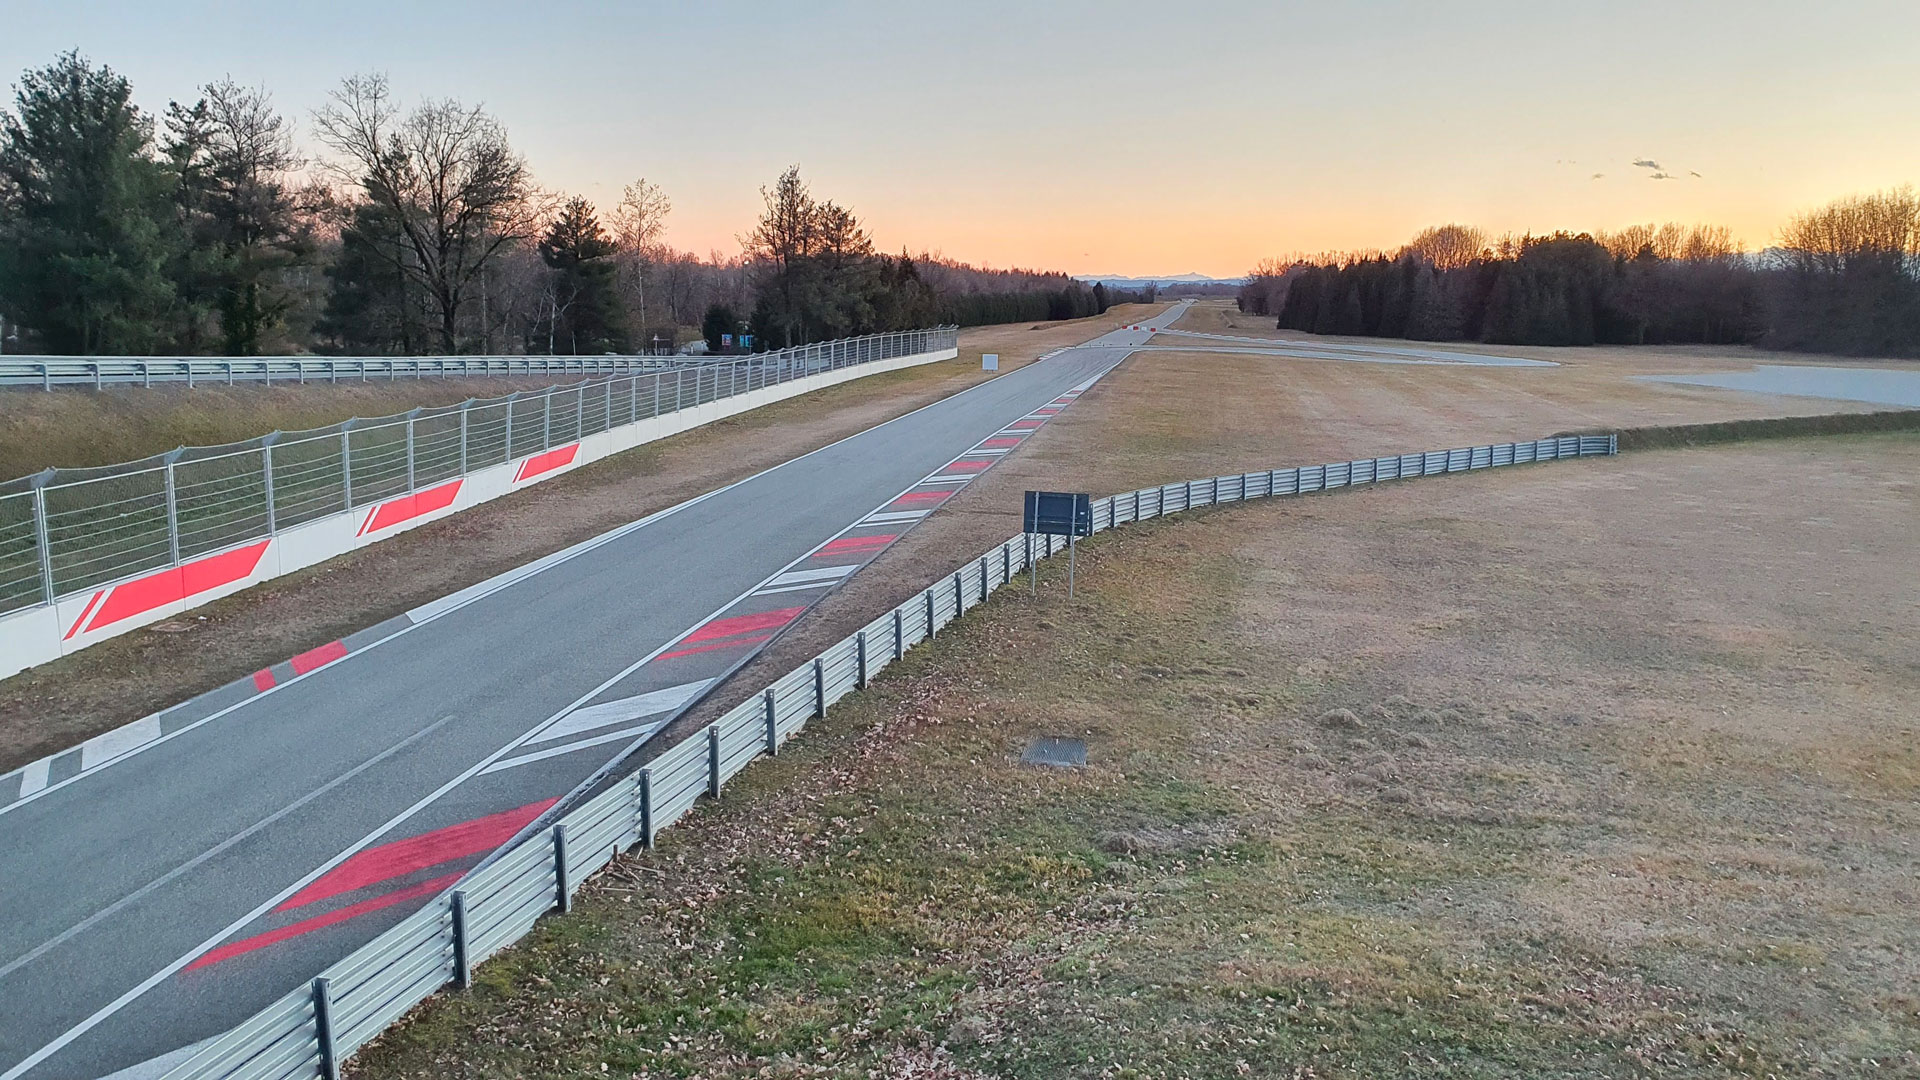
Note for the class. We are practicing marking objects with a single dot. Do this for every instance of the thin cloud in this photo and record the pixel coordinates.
(1660, 176)
(1647, 163)
(1695, 175)
(1597, 176)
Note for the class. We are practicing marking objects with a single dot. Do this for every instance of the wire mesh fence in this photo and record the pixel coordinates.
(310, 1031)
(64, 531)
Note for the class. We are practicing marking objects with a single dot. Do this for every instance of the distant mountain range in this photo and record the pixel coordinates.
(1123, 281)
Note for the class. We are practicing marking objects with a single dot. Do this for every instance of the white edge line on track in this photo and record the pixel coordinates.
(482, 589)
(107, 1011)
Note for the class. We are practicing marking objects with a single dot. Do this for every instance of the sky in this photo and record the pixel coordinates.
(1103, 138)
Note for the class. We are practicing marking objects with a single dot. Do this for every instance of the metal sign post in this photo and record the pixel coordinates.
(1057, 513)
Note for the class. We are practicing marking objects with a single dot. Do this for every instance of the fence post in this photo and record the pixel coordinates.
(959, 597)
(562, 886)
(860, 659)
(899, 635)
(173, 510)
(462, 960)
(819, 687)
(266, 476)
(646, 808)
(1006, 563)
(713, 760)
(42, 544)
(546, 420)
(411, 413)
(323, 1028)
(983, 579)
(465, 406)
(773, 724)
(346, 460)
(930, 627)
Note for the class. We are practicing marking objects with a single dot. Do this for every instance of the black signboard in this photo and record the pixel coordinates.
(1061, 513)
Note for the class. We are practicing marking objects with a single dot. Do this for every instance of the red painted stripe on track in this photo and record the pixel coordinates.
(741, 624)
(304, 926)
(847, 544)
(967, 466)
(715, 646)
(314, 659)
(1024, 425)
(263, 680)
(1002, 442)
(922, 496)
(400, 857)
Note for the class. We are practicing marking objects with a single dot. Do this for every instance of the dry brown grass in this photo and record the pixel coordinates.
(1591, 769)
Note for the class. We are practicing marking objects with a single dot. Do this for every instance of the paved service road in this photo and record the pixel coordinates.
(156, 899)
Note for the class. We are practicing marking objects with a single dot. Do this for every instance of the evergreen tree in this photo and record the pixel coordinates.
(584, 305)
(84, 233)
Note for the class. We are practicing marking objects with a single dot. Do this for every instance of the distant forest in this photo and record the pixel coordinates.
(1844, 278)
(406, 230)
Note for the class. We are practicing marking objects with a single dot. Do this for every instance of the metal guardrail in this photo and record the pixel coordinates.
(311, 1031)
(47, 372)
(64, 531)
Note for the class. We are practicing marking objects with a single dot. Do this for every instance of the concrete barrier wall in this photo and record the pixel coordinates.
(39, 634)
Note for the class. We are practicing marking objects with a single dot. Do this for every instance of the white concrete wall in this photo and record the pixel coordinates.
(39, 634)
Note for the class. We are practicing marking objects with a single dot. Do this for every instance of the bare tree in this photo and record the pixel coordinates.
(1447, 247)
(638, 222)
(456, 191)
(1881, 228)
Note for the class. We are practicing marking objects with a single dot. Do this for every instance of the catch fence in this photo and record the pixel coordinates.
(65, 531)
(309, 1032)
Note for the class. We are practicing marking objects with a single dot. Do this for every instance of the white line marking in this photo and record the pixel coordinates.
(621, 710)
(101, 749)
(34, 776)
(817, 573)
(567, 748)
(950, 478)
(893, 516)
(798, 588)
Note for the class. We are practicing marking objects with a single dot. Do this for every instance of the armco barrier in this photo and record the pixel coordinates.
(309, 1032)
(87, 554)
(99, 372)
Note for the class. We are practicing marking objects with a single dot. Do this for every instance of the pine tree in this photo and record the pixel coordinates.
(85, 235)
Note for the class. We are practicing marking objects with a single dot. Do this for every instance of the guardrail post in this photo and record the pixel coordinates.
(983, 579)
(959, 597)
(646, 808)
(266, 478)
(1136, 504)
(323, 1028)
(42, 544)
(713, 760)
(462, 959)
(930, 626)
(173, 510)
(819, 687)
(1006, 562)
(860, 659)
(1188, 497)
(899, 634)
(562, 883)
(773, 723)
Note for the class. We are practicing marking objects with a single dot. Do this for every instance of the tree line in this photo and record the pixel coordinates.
(1843, 278)
(412, 229)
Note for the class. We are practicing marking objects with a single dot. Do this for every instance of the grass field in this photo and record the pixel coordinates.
(1592, 769)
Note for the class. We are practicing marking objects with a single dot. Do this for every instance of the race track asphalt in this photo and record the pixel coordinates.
(156, 900)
